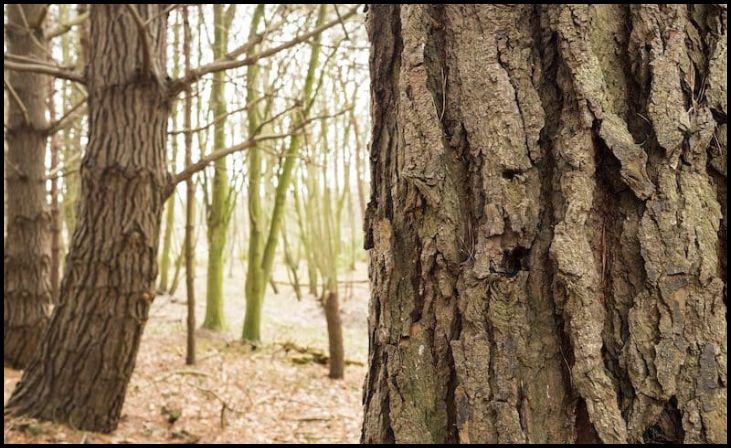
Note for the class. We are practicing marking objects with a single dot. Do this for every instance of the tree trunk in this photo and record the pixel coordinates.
(188, 246)
(545, 224)
(27, 262)
(167, 238)
(255, 283)
(55, 205)
(331, 307)
(108, 285)
(221, 194)
(255, 295)
(358, 164)
(72, 135)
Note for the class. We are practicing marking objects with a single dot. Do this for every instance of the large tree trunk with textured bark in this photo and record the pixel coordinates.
(94, 333)
(27, 260)
(547, 224)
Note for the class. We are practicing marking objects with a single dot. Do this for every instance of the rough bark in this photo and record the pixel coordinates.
(80, 372)
(27, 254)
(547, 237)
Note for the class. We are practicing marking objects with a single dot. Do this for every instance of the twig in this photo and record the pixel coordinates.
(32, 60)
(35, 26)
(227, 63)
(218, 118)
(225, 406)
(342, 22)
(158, 15)
(59, 124)
(45, 69)
(58, 171)
(63, 28)
(20, 173)
(17, 99)
(313, 419)
(215, 155)
(340, 282)
(212, 157)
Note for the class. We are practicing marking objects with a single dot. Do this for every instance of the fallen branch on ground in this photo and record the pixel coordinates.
(312, 355)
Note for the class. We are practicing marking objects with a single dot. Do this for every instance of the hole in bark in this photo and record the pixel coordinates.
(511, 174)
(585, 432)
(669, 426)
(514, 261)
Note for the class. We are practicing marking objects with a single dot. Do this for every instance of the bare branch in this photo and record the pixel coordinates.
(18, 172)
(342, 22)
(68, 117)
(27, 59)
(215, 155)
(35, 27)
(167, 10)
(46, 69)
(65, 27)
(17, 100)
(218, 118)
(228, 62)
(60, 171)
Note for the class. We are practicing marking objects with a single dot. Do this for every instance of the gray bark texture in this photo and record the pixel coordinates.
(547, 224)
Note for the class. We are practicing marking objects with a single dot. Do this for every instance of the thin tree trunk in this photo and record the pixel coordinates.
(27, 292)
(72, 135)
(179, 260)
(358, 163)
(189, 205)
(254, 302)
(328, 255)
(545, 224)
(255, 282)
(306, 236)
(167, 238)
(108, 285)
(331, 306)
(55, 211)
(219, 210)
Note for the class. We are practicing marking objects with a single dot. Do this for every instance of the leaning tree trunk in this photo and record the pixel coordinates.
(27, 261)
(546, 224)
(94, 334)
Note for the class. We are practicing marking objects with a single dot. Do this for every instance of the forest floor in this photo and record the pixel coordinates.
(236, 392)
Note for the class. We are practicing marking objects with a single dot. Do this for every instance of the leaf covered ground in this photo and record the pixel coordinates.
(236, 392)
